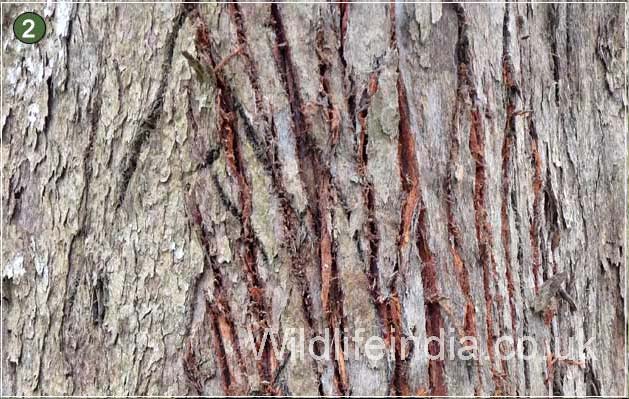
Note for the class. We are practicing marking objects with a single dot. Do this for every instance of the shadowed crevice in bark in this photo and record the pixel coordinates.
(512, 92)
(50, 105)
(553, 25)
(534, 229)
(153, 115)
(343, 23)
(332, 114)
(348, 78)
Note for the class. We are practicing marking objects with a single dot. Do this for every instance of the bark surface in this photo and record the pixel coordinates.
(177, 177)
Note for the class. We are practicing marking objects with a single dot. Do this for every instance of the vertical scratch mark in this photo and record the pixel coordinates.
(477, 149)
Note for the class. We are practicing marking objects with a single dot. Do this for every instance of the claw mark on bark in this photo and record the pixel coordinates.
(454, 232)
(388, 310)
(306, 148)
(150, 121)
(331, 290)
(231, 147)
(268, 156)
(98, 293)
(409, 173)
(219, 311)
(331, 293)
(373, 235)
(484, 235)
(511, 94)
(252, 70)
(315, 178)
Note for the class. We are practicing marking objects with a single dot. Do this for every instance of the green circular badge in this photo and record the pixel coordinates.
(29, 28)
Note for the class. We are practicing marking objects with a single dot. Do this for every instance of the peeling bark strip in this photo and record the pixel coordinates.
(230, 140)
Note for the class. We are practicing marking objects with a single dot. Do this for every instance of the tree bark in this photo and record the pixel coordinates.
(179, 177)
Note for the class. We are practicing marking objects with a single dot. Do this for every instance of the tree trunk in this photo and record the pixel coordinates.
(180, 179)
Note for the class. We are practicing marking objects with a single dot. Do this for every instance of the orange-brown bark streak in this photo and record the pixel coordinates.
(271, 159)
(477, 149)
(331, 281)
(373, 234)
(315, 177)
(409, 173)
(483, 233)
(454, 233)
(218, 311)
(235, 164)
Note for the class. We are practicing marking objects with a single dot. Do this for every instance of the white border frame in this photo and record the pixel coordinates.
(625, 177)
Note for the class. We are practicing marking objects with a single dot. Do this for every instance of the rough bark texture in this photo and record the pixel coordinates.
(175, 175)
